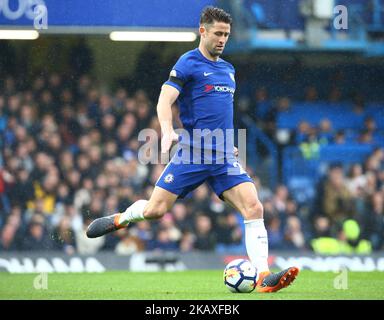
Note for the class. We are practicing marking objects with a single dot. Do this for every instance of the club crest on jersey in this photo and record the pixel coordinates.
(232, 76)
(169, 178)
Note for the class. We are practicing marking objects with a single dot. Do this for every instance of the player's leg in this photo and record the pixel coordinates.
(233, 185)
(243, 197)
(159, 203)
(175, 181)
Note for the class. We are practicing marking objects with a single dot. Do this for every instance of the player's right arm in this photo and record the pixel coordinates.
(179, 75)
(167, 98)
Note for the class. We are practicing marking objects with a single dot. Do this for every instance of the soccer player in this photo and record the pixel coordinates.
(204, 85)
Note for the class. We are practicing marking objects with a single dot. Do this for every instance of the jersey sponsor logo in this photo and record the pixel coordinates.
(208, 87)
(206, 74)
(225, 89)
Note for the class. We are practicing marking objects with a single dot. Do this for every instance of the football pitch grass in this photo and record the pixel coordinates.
(186, 285)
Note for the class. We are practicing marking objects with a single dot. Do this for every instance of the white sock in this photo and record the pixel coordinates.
(256, 242)
(133, 213)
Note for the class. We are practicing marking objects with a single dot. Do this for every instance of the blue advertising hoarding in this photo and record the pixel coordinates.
(273, 14)
(105, 13)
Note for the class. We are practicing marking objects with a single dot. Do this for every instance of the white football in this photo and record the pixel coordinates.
(240, 276)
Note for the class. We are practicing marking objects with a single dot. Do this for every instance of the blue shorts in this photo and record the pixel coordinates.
(181, 179)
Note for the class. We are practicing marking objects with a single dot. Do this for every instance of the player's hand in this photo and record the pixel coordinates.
(167, 140)
(235, 151)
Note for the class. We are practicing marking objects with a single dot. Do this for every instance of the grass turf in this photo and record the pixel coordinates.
(184, 285)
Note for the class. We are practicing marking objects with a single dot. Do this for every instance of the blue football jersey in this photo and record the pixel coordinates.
(206, 101)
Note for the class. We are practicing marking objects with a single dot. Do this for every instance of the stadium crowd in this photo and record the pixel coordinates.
(69, 155)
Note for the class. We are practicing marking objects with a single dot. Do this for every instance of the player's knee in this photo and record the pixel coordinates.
(155, 211)
(254, 211)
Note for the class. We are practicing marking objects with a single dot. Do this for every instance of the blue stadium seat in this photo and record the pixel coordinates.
(348, 153)
(340, 115)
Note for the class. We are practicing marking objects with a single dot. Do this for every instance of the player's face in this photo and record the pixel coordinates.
(215, 37)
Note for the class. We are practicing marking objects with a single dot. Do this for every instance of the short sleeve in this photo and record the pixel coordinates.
(179, 74)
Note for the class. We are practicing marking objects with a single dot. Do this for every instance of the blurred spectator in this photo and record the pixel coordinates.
(335, 95)
(204, 201)
(183, 220)
(128, 245)
(373, 221)
(310, 147)
(325, 134)
(36, 237)
(5, 179)
(229, 230)
(143, 231)
(351, 239)
(322, 227)
(11, 233)
(69, 126)
(365, 137)
(63, 237)
(303, 132)
(215, 208)
(358, 107)
(356, 180)
(187, 242)
(280, 198)
(336, 201)
(205, 238)
(282, 105)
(162, 241)
(82, 197)
(168, 223)
(293, 234)
(311, 94)
(275, 234)
(339, 137)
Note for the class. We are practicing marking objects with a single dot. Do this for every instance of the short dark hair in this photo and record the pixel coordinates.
(211, 14)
